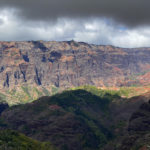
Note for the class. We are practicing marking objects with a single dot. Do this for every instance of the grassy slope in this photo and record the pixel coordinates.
(12, 140)
(126, 92)
(26, 94)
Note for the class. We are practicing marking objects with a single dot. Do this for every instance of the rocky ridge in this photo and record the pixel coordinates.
(71, 64)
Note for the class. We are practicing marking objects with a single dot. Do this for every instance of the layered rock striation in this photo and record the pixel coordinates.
(70, 64)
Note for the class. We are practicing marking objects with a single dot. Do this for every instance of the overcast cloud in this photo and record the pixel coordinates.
(124, 23)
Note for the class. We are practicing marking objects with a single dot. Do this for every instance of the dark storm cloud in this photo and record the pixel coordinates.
(130, 12)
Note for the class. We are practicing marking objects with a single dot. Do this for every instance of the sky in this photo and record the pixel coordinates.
(122, 23)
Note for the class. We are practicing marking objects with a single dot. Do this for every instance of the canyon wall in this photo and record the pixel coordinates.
(69, 64)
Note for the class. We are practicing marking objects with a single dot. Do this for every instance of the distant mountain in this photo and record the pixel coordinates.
(71, 64)
(76, 119)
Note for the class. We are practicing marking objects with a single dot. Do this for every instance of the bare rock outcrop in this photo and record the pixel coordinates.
(69, 64)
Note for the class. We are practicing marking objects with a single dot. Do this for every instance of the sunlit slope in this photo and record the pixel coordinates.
(27, 94)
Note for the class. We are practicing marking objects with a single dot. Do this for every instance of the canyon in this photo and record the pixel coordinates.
(71, 64)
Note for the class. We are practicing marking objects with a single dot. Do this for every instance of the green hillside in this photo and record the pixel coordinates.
(25, 94)
(72, 117)
(86, 118)
(12, 140)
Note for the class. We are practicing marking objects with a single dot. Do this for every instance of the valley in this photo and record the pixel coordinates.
(74, 96)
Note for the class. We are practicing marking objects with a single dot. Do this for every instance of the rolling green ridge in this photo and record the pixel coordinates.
(83, 118)
(68, 114)
(126, 92)
(12, 140)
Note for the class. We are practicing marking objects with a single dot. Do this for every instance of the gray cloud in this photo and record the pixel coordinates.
(124, 23)
(1, 21)
(93, 30)
(129, 12)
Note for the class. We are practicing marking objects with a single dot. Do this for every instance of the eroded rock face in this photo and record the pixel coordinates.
(68, 64)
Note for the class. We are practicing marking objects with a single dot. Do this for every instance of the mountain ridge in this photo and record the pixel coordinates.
(70, 64)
